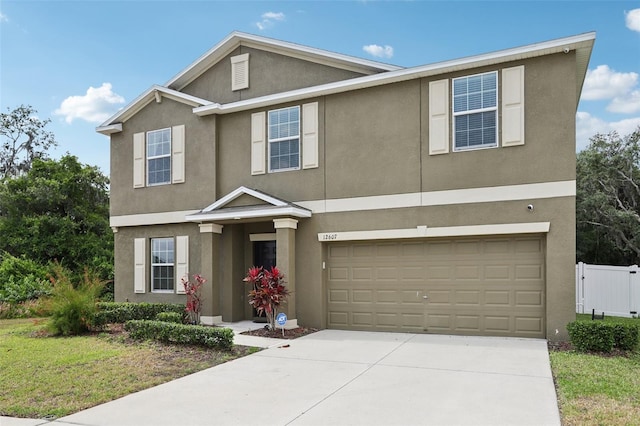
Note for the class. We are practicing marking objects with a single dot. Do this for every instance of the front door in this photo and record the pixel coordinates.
(264, 254)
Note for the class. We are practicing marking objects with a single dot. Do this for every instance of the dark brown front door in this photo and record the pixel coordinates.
(264, 254)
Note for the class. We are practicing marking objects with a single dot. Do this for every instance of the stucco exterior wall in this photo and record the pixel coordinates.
(269, 73)
(200, 159)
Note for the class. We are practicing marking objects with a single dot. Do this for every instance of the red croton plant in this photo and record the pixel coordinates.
(194, 299)
(268, 291)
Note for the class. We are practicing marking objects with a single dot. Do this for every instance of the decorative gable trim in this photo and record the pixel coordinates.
(269, 206)
(236, 39)
(114, 123)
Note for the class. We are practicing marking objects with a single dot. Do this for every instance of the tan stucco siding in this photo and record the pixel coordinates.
(269, 73)
(200, 159)
(548, 153)
(124, 261)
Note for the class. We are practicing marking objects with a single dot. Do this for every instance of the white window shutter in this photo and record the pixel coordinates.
(258, 143)
(182, 261)
(438, 117)
(139, 265)
(177, 154)
(240, 72)
(310, 135)
(513, 106)
(138, 160)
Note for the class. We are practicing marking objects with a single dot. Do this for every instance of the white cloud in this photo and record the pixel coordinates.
(269, 19)
(378, 51)
(95, 106)
(605, 83)
(627, 104)
(588, 126)
(3, 17)
(632, 19)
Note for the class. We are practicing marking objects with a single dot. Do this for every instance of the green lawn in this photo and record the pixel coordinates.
(595, 389)
(56, 376)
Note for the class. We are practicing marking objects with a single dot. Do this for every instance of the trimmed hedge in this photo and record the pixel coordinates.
(211, 337)
(170, 317)
(116, 312)
(600, 336)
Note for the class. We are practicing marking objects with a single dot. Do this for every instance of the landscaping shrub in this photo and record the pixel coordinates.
(119, 312)
(212, 337)
(22, 279)
(600, 336)
(170, 317)
(73, 307)
(626, 336)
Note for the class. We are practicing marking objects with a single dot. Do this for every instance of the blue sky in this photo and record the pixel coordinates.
(78, 62)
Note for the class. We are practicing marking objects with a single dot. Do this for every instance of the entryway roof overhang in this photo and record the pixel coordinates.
(267, 207)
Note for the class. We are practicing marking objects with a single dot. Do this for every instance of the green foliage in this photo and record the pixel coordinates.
(626, 336)
(23, 138)
(58, 211)
(22, 279)
(608, 200)
(603, 336)
(218, 338)
(117, 312)
(26, 309)
(170, 317)
(73, 307)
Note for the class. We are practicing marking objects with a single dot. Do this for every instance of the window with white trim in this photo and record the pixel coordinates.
(284, 139)
(159, 157)
(162, 265)
(475, 111)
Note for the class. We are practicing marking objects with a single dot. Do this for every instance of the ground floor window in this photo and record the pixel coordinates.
(162, 264)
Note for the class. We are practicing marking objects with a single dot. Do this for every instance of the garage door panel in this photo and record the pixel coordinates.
(474, 286)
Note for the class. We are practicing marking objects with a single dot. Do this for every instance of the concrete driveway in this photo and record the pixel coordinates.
(355, 378)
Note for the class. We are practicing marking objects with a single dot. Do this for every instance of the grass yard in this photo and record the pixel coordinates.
(56, 376)
(598, 389)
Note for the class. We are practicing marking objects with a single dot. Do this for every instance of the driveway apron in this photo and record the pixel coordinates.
(337, 377)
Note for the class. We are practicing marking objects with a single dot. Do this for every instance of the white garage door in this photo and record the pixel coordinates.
(473, 286)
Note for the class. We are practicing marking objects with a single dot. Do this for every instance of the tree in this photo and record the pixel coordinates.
(608, 200)
(23, 139)
(58, 210)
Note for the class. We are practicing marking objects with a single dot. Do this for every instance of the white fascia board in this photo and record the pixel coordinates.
(582, 41)
(437, 232)
(242, 190)
(529, 191)
(236, 38)
(249, 214)
(109, 129)
(150, 218)
(144, 99)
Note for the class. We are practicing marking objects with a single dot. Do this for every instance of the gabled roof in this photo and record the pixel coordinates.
(268, 206)
(155, 92)
(582, 44)
(236, 39)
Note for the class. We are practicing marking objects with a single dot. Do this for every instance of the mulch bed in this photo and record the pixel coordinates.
(293, 333)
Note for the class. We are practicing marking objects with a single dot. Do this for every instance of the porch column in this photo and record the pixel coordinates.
(286, 262)
(210, 270)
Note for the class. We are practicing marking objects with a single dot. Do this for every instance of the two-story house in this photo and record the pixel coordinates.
(437, 198)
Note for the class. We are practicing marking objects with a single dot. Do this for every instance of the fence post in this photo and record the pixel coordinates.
(634, 290)
(580, 277)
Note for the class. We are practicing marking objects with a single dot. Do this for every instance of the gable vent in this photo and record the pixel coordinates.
(240, 72)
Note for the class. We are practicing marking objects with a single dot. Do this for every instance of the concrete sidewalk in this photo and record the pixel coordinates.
(352, 378)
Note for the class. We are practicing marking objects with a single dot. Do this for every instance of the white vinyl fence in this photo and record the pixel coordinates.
(612, 290)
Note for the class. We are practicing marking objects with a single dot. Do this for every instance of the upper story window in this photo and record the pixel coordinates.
(159, 157)
(284, 139)
(475, 111)
(162, 264)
